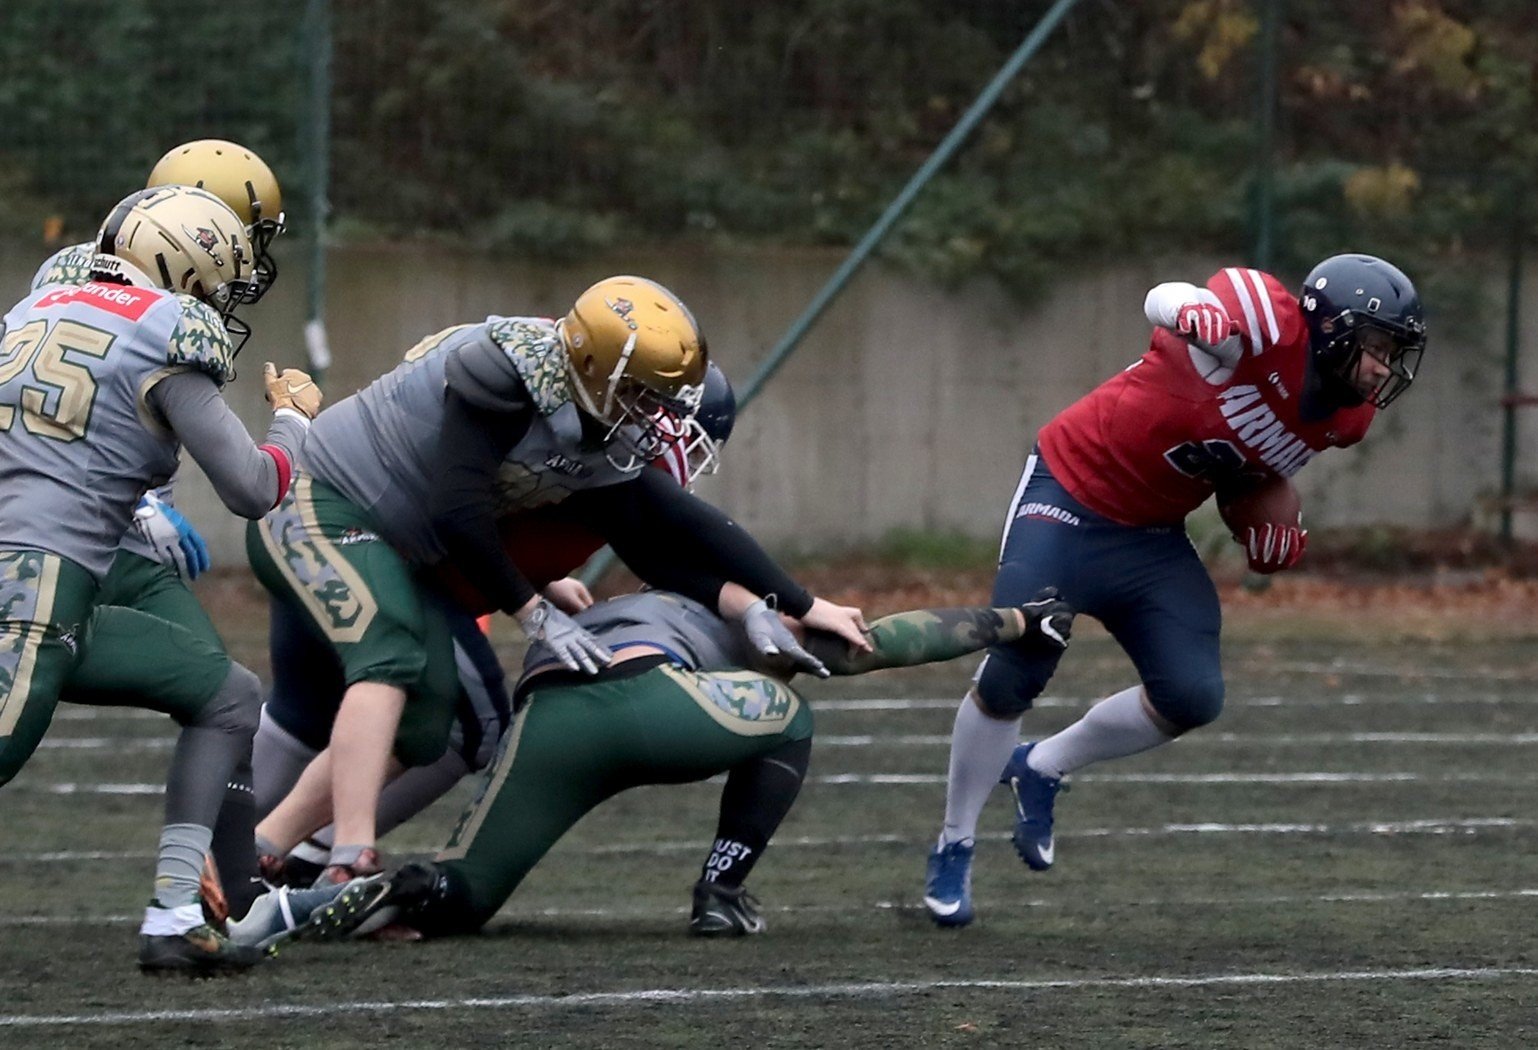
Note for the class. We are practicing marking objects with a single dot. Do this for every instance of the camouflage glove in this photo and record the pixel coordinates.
(291, 389)
(1048, 619)
(569, 641)
(774, 643)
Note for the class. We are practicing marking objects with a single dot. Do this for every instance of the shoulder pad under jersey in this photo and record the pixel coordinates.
(1262, 308)
(70, 265)
(536, 353)
(201, 341)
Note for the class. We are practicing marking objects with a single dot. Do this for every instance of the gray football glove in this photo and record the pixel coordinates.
(774, 643)
(1048, 619)
(568, 640)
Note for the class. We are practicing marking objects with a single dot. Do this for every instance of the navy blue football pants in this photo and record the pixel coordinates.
(1146, 585)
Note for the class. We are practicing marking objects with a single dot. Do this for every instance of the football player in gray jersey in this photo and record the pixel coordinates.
(158, 557)
(307, 681)
(101, 385)
(687, 695)
(480, 421)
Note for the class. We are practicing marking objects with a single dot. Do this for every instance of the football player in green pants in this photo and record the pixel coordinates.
(162, 553)
(101, 385)
(684, 698)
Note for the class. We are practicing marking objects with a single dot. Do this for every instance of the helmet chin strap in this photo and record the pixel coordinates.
(612, 389)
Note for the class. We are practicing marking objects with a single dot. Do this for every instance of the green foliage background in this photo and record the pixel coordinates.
(550, 129)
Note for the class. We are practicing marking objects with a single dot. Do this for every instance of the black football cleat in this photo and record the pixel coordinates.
(200, 952)
(721, 911)
(371, 904)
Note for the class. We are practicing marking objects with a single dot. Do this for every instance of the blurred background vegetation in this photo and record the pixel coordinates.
(550, 129)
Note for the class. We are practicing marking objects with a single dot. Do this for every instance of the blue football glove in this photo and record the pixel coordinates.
(176, 543)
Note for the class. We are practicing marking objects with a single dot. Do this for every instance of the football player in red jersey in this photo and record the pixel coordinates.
(1242, 384)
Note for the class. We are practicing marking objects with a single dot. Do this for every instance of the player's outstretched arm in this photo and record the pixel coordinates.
(249, 478)
(924, 636)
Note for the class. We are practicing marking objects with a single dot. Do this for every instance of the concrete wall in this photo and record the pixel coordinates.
(907, 406)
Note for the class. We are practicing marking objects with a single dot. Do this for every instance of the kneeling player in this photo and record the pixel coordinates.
(685, 698)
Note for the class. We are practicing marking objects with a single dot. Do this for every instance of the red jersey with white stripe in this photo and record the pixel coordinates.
(1149, 446)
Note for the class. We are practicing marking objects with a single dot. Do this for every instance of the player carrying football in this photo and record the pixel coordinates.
(1242, 385)
(101, 385)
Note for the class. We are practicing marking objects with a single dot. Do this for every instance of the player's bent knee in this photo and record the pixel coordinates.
(1006, 691)
(1189, 705)
(237, 707)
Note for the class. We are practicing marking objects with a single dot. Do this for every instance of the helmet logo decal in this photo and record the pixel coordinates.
(622, 308)
(208, 240)
(1320, 283)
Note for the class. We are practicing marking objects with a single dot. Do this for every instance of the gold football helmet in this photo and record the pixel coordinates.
(637, 363)
(182, 239)
(241, 180)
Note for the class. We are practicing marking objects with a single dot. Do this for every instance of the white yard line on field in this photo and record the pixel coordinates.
(1424, 826)
(516, 913)
(684, 996)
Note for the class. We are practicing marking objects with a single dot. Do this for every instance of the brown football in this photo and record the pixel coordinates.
(1272, 501)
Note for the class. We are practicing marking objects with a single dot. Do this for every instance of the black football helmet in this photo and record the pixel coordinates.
(1347, 295)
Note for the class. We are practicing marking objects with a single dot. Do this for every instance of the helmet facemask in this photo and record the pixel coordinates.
(264, 268)
(1398, 347)
(643, 423)
(691, 452)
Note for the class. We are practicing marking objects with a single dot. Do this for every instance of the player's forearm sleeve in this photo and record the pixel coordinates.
(250, 480)
(1163, 302)
(471, 447)
(1162, 307)
(677, 542)
(919, 637)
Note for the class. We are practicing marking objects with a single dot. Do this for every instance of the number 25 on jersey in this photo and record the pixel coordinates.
(69, 385)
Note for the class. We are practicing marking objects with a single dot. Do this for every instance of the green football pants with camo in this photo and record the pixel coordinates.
(574, 745)
(44, 603)
(59, 641)
(322, 555)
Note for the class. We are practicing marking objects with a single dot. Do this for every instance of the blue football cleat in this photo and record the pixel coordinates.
(948, 887)
(1034, 795)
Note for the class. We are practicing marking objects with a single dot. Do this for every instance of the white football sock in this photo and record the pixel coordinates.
(1114, 728)
(980, 748)
(171, 922)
